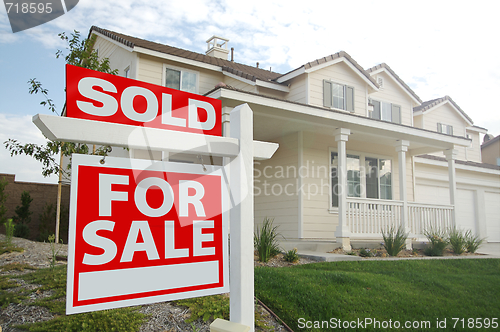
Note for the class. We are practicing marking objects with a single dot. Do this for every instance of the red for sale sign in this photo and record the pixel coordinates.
(93, 95)
(144, 231)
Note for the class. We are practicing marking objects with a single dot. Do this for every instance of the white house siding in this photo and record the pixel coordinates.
(119, 57)
(298, 89)
(392, 93)
(446, 114)
(150, 69)
(280, 200)
(474, 152)
(342, 74)
(477, 197)
(418, 121)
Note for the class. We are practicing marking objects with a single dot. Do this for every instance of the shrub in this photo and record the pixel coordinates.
(457, 241)
(365, 252)
(472, 242)
(291, 256)
(265, 240)
(437, 242)
(394, 240)
(23, 216)
(9, 231)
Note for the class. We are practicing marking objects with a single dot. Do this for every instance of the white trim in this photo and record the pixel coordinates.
(457, 166)
(113, 41)
(239, 78)
(292, 74)
(476, 129)
(177, 59)
(392, 130)
(273, 86)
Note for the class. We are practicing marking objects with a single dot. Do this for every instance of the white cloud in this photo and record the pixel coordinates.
(23, 130)
(437, 47)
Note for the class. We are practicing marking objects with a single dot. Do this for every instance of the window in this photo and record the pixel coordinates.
(127, 72)
(181, 80)
(385, 111)
(445, 129)
(376, 181)
(338, 96)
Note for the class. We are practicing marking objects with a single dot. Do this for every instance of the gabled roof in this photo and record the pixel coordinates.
(430, 104)
(244, 71)
(384, 66)
(321, 62)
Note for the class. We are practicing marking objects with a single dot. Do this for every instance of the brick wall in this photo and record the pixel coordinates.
(41, 193)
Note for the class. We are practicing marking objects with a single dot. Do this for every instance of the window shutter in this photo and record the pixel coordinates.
(450, 130)
(396, 113)
(376, 109)
(349, 98)
(327, 93)
(440, 128)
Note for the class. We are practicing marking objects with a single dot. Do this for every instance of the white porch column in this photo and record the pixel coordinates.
(401, 149)
(342, 232)
(451, 155)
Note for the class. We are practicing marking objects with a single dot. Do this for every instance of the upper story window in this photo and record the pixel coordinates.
(385, 111)
(181, 80)
(338, 96)
(127, 72)
(445, 129)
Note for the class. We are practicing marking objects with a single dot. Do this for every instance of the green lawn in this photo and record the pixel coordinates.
(417, 291)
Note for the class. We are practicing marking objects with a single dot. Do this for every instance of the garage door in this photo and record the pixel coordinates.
(492, 202)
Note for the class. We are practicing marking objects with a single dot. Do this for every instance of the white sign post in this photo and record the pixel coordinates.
(240, 148)
(242, 221)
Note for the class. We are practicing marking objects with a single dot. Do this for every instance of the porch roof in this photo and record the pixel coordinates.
(274, 115)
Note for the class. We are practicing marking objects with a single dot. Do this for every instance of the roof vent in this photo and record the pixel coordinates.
(380, 81)
(217, 47)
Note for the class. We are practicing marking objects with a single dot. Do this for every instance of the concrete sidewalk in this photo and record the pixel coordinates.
(487, 250)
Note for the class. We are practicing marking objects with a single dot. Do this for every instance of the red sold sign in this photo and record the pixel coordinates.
(143, 232)
(93, 95)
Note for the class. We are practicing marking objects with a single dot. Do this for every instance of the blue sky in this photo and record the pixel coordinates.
(437, 47)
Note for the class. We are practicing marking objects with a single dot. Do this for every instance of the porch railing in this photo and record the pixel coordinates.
(368, 217)
(422, 217)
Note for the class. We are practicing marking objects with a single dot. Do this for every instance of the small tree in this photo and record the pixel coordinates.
(23, 216)
(3, 198)
(81, 54)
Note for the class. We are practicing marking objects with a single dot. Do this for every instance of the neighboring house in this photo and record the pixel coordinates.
(359, 150)
(490, 150)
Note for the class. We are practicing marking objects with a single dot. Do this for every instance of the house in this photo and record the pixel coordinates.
(490, 150)
(359, 150)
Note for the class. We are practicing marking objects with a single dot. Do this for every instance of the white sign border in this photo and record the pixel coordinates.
(142, 164)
